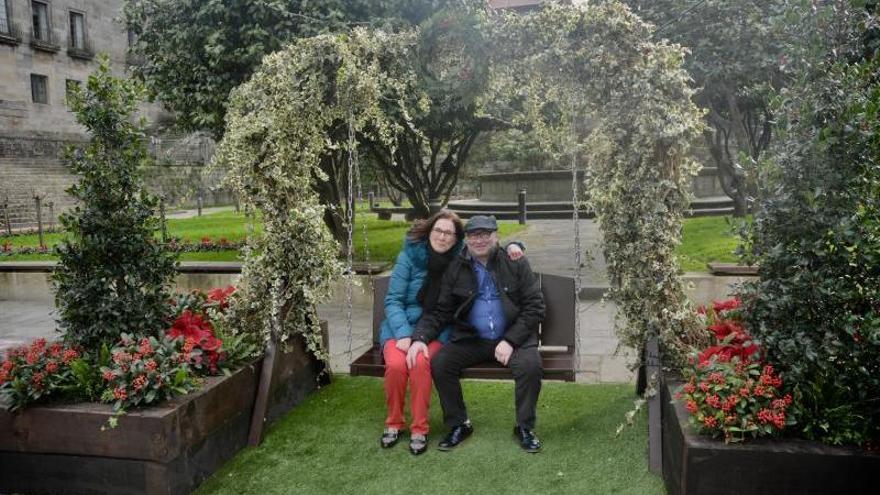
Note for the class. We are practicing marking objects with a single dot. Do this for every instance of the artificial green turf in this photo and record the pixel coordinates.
(706, 239)
(330, 444)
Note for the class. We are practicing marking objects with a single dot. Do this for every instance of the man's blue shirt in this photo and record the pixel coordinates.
(487, 314)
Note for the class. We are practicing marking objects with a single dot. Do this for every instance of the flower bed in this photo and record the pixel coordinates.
(697, 464)
(168, 448)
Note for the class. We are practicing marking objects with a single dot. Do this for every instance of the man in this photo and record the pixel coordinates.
(495, 306)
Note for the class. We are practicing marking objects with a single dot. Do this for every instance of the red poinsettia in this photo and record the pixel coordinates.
(220, 295)
(194, 328)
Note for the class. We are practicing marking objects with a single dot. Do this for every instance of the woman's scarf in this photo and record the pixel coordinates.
(430, 291)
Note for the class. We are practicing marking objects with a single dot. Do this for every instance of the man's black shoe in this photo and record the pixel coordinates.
(456, 436)
(527, 439)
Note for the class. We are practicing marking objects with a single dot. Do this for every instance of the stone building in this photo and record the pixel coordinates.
(47, 46)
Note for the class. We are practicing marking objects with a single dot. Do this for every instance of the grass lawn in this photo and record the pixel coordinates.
(706, 239)
(385, 236)
(330, 444)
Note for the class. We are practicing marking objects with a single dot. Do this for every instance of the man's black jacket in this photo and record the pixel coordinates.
(521, 300)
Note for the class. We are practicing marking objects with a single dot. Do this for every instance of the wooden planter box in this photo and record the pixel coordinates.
(695, 465)
(167, 449)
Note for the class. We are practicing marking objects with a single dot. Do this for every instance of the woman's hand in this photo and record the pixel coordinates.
(514, 252)
(403, 344)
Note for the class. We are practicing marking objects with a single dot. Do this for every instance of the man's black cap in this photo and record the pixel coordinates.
(481, 222)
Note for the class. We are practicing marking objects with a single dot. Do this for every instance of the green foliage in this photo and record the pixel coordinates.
(222, 42)
(816, 235)
(593, 84)
(112, 277)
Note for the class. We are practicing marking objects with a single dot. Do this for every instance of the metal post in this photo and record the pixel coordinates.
(6, 215)
(371, 197)
(162, 223)
(655, 432)
(199, 201)
(521, 205)
(38, 200)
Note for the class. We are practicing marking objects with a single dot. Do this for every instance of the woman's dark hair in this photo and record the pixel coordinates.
(421, 229)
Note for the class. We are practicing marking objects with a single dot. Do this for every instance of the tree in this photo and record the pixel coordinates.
(735, 57)
(113, 277)
(222, 42)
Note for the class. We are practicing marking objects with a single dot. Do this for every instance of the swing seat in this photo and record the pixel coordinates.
(556, 335)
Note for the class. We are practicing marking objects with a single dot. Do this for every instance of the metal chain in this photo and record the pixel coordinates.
(349, 217)
(577, 241)
(357, 174)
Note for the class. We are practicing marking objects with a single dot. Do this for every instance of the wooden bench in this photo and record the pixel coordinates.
(556, 334)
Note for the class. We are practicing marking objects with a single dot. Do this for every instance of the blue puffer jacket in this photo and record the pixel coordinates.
(402, 307)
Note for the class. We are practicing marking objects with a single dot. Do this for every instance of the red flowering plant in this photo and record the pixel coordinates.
(735, 399)
(147, 371)
(724, 321)
(193, 319)
(38, 371)
(729, 392)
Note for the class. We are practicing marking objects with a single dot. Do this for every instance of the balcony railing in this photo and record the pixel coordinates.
(11, 35)
(83, 50)
(46, 43)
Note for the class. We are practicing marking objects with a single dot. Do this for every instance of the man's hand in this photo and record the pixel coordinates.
(413, 353)
(503, 351)
(514, 252)
(403, 344)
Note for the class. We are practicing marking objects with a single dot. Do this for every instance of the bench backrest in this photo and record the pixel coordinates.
(557, 329)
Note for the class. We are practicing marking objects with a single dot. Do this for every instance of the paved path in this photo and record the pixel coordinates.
(549, 246)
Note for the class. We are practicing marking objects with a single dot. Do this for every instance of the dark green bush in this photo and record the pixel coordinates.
(816, 236)
(112, 276)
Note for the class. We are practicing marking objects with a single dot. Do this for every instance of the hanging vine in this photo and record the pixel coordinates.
(280, 125)
(594, 83)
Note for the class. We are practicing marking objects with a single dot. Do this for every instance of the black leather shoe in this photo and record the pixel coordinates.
(456, 436)
(418, 444)
(527, 439)
(389, 438)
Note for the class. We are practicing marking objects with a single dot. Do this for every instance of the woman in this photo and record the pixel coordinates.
(429, 247)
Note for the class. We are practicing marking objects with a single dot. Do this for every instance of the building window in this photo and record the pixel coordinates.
(41, 21)
(77, 31)
(5, 17)
(39, 88)
(70, 86)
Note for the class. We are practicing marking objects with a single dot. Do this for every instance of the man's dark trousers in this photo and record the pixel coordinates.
(448, 363)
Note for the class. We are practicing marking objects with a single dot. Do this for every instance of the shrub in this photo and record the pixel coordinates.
(112, 276)
(735, 399)
(816, 235)
(147, 371)
(36, 372)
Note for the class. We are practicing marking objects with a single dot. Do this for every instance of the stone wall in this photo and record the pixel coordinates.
(31, 164)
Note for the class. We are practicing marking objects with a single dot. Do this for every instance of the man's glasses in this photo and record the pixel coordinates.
(479, 235)
(443, 233)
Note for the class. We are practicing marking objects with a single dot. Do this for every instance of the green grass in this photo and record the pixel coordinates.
(330, 444)
(385, 236)
(706, 239)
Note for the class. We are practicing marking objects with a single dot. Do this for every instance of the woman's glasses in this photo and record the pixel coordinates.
(443, 233)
